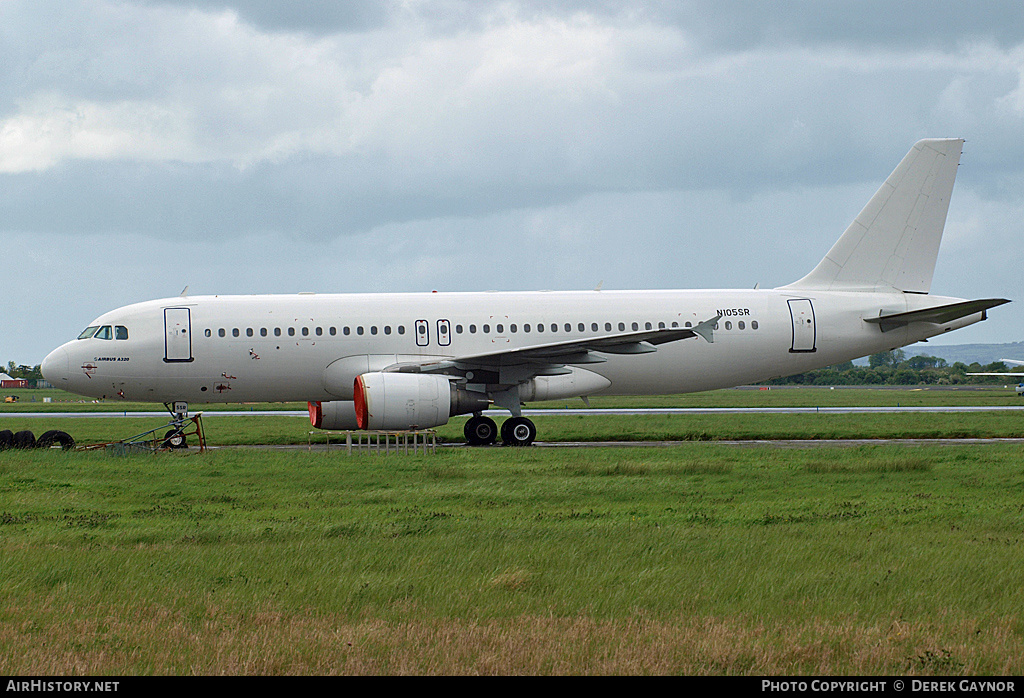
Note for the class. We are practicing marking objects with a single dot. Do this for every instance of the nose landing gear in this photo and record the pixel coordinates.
(176, 437)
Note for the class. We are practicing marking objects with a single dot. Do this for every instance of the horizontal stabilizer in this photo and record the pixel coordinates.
(938, 315)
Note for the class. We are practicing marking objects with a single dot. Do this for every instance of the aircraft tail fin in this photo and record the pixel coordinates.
(894, 241)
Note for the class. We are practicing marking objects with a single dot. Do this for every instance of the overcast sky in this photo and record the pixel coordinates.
(267, 146)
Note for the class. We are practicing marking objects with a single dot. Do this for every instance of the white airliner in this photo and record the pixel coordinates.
(404, 361)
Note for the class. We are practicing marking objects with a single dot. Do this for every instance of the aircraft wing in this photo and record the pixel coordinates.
(550, 358)
(939, 315)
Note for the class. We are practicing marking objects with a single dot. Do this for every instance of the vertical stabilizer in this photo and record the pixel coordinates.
(894, 241)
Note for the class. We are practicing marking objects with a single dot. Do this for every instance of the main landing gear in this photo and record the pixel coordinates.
(515, 431)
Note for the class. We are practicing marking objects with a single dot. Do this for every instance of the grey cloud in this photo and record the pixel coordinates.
(491, 145)
(313, 17)
(721, 25)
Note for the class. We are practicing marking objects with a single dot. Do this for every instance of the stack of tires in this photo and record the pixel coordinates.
(26, 439)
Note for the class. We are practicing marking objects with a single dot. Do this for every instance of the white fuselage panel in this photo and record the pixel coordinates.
(309, 347)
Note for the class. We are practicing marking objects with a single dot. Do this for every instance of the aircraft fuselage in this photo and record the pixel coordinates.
(309, 347)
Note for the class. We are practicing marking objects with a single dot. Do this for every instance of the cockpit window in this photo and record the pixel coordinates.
(88, 332)
(120, 332)
(105, 332)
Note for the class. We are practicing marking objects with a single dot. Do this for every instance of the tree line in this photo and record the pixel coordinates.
(894, 368)
(32, 373)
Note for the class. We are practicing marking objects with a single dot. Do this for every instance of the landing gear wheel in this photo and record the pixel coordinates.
(518, 431)
(174, 439)
(480, 431)
(54, 439)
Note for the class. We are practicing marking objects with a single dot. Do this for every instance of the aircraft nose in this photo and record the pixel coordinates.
(55, 367)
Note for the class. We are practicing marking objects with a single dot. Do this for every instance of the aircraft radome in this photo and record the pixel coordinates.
(406, 360)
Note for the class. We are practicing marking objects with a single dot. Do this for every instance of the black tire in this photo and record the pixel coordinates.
(480, 431)
(54, 439)
(6, 439)
(175, 439)
(518, 431)
(24, 439)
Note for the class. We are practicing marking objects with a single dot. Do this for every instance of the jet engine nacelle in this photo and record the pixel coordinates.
(411, 401)
(337, 414)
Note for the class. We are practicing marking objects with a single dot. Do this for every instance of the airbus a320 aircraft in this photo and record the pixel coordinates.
(405, 361)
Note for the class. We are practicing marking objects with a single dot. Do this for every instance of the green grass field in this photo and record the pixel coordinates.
(694, 558)
(246, 430)
(689, 427)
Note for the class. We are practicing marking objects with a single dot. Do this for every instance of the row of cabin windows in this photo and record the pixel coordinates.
(459, 329)
(594, 327)
(302, 331)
